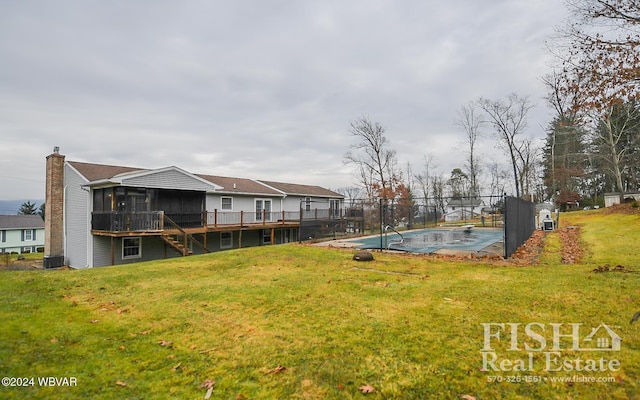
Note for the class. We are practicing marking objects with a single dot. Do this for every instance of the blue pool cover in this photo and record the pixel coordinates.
(432, 240)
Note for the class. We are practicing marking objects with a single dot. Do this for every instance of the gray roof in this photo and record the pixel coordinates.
(302, 190)
(21, 222)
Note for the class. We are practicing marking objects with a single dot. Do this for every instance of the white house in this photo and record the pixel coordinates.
(100, 215)
(462, 209)
(21, 233)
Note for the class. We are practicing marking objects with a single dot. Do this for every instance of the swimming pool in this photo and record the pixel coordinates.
(432, 240)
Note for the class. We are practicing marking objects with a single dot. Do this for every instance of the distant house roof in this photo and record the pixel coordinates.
(302, 190)
(21, 222)
(99, 172)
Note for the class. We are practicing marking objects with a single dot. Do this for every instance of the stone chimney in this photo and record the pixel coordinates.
(54, 211)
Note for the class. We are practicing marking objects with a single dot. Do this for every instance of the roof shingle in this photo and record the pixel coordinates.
(21, 222)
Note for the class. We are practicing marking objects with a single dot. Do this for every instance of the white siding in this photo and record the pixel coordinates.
(242, 202)
(169, 179)
(77, 220)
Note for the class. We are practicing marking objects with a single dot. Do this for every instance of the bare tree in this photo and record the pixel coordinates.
(423, 179)
(618, 135)
(499, 177)
(600, 43)
(509, 119)
(375, 161)
(470, 121)
(438, 184)
(351, 193)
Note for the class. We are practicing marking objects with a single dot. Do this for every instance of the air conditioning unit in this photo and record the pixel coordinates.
(53, 261)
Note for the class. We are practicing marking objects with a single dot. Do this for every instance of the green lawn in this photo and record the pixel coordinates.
(302, 322)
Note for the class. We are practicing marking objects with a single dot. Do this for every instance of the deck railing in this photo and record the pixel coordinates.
(127, 222)
(154, 220)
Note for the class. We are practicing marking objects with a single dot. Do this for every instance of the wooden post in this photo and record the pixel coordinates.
(264, 216)
(240, 237)
(215, 218)
(273, 235)
(184, 241)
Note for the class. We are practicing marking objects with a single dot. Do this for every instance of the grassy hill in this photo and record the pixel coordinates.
(297, 321)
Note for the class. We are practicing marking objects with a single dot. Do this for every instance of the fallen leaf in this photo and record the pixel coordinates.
(54, 340)
(207, 384)
(165, 343)
(145, 332)
(94, 321)
(175, 368)
(367, 389)
(120, 383)
(467, 397)
(276, 370)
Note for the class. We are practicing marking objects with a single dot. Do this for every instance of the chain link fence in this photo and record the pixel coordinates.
(361, 217)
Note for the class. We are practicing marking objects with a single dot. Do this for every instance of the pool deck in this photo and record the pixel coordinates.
(495, 249)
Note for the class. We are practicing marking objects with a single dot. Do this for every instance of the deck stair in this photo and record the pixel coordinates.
(178, 246)
(179, 239)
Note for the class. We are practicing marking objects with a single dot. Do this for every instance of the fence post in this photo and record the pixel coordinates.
(381, 223)
(504, 224)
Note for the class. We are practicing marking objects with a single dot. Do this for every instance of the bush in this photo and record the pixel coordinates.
(634, 204)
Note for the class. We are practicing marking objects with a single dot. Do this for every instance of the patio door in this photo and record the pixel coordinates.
(263, 206)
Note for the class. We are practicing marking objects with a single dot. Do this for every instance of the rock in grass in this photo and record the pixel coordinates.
(363, 256)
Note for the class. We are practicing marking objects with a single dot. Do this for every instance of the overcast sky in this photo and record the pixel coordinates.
(261, 89)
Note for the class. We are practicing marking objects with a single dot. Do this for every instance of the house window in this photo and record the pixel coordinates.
(266, 236)
(131, 248)
(263, 207)
(334, 206)
(226, 240)
(226, 203)
(307, 206)
(28, 235)
(3, 236)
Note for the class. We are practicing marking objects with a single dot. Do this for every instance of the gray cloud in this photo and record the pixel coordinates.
(258, 89)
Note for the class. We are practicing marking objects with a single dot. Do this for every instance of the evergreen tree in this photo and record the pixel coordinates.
(27, 208)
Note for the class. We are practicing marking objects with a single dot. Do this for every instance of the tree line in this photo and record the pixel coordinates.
(592, 143)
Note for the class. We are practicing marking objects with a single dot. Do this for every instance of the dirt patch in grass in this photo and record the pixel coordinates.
(572, 251)
(20, 265)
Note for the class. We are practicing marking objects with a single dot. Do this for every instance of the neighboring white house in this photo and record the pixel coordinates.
(463, 209)
(611, 199)
(21, 233)
(108, 215)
